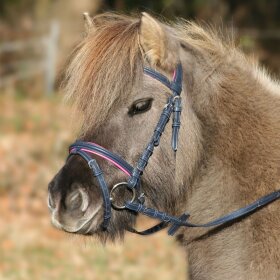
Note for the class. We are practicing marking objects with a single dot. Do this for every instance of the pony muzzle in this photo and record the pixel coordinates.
(73, 213)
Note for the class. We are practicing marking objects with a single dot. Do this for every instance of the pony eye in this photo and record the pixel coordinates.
(140, 106)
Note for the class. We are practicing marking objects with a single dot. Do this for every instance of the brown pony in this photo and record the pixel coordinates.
(229, 144)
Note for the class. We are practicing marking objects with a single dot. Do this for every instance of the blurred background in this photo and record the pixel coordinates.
(36, 38)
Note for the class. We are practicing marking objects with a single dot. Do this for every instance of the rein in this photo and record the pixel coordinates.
(136, 203)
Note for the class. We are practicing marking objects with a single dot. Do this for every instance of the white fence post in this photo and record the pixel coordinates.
(50, 58)
(27, 68)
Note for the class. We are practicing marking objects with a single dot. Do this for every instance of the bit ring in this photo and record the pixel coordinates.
(115, 188)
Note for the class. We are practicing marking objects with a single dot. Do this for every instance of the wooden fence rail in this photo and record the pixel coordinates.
(28, 68)
(48, 46)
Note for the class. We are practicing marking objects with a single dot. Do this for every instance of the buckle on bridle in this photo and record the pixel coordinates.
(117, 187)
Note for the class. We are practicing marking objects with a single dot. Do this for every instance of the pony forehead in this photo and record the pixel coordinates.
(104, 68)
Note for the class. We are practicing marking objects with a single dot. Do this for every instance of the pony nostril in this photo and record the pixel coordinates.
(77, 199)
(85, 200)
(51, 203)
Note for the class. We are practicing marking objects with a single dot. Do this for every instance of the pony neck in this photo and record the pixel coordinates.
(236, 112)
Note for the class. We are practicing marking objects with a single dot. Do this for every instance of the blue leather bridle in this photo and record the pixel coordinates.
(136, 204)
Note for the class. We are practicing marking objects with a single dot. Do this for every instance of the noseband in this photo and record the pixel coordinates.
(136, 203)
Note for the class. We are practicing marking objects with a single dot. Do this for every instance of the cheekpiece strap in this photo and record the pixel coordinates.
(176, 87)
(173, 106)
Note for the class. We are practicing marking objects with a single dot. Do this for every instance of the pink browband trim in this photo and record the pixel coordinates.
(110, 160)
(174, 74)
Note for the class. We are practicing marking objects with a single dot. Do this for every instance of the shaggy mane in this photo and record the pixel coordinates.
(205, 39)
(104, 67)
(109, 61)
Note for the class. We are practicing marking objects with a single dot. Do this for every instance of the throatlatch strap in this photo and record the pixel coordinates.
(176, 123)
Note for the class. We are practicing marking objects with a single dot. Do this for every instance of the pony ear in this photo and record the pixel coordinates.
(160, 47)
(89, 25)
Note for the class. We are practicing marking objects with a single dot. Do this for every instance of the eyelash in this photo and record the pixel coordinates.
(146, 106)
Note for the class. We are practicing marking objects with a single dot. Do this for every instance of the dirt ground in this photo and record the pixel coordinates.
(34, 136)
